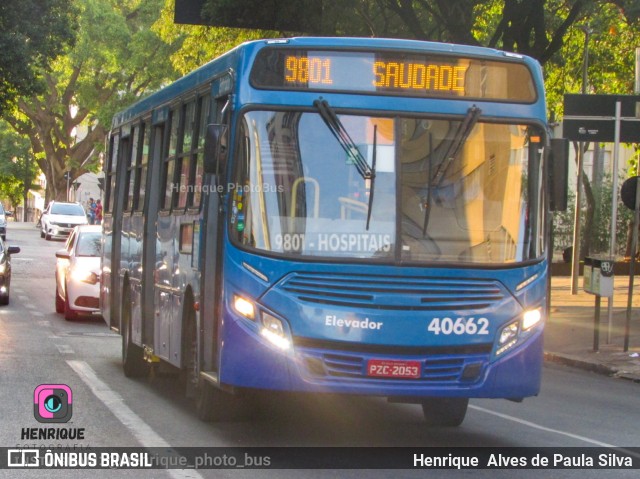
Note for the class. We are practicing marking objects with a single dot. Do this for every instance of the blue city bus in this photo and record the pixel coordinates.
(335, 215)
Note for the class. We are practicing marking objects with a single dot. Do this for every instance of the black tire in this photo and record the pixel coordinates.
(41, 234)
(212, 404)
(59, 302)
(4, 299)
(202, 392)
(133, 362)
(47, 237)
(444, 412)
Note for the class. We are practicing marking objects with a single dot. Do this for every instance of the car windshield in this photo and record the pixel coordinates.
(89, 244)
(432, 190)
(67, 209)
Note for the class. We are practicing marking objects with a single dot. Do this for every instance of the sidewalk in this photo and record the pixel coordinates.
(569, 334)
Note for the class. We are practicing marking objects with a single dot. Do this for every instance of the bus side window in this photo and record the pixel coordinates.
(170, 160)
(141, 169)
(183, 161)
(130, 170)
(216, 138)
(197, 157)
(110, 172)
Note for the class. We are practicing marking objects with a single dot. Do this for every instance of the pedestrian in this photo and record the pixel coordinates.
(98, 212)
(92, 211)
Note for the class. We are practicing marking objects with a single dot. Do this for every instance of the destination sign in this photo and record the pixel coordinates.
(402, 73)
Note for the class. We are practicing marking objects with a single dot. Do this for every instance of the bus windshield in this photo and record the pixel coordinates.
(439, 190)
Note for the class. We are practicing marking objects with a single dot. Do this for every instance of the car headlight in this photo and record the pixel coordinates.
(3, 267)
(84, 275)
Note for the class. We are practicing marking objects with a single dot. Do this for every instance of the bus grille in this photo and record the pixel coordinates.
(394, 292)
(435, 369)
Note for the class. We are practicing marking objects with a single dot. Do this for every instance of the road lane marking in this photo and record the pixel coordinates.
(64, 349)
(37, 314)
(542, 428)
(143, 433)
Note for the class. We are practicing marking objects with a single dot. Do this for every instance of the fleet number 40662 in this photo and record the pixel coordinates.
(459, 326)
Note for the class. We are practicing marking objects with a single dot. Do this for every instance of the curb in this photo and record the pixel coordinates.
(591, 366)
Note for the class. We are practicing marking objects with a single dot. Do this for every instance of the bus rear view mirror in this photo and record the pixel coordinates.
(215, 145)
(559, 173)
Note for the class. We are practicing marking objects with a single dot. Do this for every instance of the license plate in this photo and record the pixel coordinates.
(390, 368)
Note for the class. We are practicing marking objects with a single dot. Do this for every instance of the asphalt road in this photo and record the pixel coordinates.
(37, 346)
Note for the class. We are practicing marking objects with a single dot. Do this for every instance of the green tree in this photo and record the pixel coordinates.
(32, 33)
(611, 44)
(116, 60)
(199, 44)
(532, 27)
(17, 169)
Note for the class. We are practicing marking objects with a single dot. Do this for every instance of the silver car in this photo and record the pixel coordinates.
(78, 272)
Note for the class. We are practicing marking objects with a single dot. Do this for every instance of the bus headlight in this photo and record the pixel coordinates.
(508, 337)
(517, 331)
(531, 318)
(273, 330)
(244, 307)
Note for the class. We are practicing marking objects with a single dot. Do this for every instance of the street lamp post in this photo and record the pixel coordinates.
(575, 259)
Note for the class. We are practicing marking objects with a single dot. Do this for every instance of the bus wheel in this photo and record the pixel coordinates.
(207, 396)
(133, 363)
(212, 404)
(444, 412)
(215, 405)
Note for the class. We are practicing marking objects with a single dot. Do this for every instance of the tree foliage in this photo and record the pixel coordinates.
(32, 33)
(200, 44)
(117, 59)
(17, 169)
(531, 27)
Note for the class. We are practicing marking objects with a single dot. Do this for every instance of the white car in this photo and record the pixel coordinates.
(78, 273)
(60, 218)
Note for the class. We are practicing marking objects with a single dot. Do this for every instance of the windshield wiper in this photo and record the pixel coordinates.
(454, 146)
(427, 203)
(373, 178)
(342, 135)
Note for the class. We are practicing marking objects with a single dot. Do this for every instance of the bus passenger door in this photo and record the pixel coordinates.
(212, 244)
(112, 230)
(150, 232)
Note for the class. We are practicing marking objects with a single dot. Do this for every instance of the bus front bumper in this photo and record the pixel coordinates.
(251, 361)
